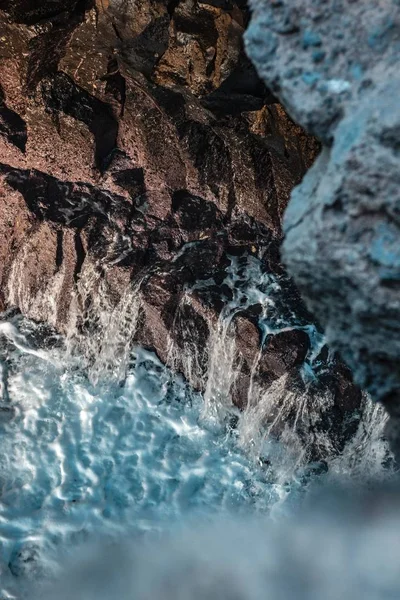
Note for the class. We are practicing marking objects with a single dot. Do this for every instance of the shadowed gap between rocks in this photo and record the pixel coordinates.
(61, 93)
(12, 126)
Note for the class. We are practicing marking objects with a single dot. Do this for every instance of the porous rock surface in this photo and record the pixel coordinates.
(334, 66)
(139, 150)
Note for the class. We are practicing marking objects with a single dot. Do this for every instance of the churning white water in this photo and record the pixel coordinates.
(78, 460)
(88, 456)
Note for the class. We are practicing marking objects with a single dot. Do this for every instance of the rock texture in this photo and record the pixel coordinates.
(334, 66)
(138, 152)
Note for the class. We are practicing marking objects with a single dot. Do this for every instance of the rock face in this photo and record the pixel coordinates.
(140, 159)
(334, 66)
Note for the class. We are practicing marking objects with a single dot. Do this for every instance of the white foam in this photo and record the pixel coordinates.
(77, 460)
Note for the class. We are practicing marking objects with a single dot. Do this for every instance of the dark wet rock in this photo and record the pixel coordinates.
(7, 412)
(47, 49)
(248, 336)
(338, 379)
(139, 151)
(31, 13)
(193, 213)
(25, 561)
(334, 67)
(282, 352)
(143, 51)
(241, 91)
(67, 203)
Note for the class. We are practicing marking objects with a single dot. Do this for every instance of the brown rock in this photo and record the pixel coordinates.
(282, 352)
(138, 150)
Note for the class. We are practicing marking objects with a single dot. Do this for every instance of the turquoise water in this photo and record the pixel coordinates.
(90, 464)
(78, 460)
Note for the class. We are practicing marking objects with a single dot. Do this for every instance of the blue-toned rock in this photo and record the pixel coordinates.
(342, 226)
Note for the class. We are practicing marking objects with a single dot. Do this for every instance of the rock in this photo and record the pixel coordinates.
(248, 338)
(139, 152)
(333, 66)
(25, 561)
(25, 11)
(320, 57)
(283, 352)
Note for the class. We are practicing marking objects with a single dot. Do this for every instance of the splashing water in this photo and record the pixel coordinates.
(78, 459)
(105, 332)
(109, 442)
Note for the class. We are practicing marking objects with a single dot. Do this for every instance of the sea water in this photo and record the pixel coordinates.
(91, 455)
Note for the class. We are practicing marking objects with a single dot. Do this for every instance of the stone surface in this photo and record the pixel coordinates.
(138, 152)
(284, 351)
(334, 66)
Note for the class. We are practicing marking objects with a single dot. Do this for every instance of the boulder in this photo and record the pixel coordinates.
(333, 65)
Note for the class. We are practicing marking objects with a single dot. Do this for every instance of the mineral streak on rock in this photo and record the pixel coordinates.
(334, 66)
(138, 150)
